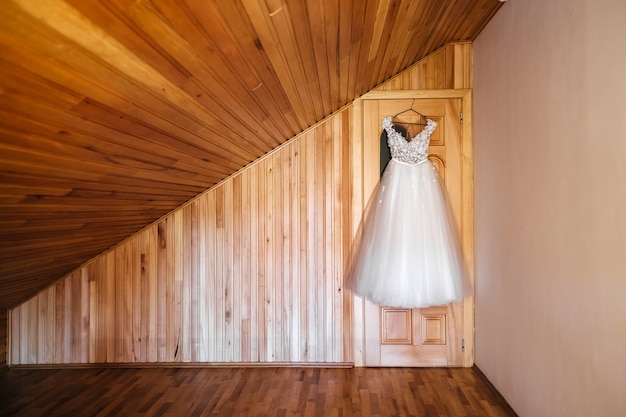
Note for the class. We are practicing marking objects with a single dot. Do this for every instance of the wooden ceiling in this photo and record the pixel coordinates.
(115, 112)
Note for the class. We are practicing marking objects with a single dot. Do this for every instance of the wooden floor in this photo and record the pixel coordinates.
(247, 392)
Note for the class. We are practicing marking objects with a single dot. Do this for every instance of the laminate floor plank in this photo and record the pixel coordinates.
(243, 392)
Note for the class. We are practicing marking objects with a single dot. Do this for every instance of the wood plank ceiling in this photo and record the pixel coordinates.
(115, 112)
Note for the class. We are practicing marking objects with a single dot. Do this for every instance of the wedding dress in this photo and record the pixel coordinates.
(409, 255)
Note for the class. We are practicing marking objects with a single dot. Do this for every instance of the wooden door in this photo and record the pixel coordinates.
(428, 336)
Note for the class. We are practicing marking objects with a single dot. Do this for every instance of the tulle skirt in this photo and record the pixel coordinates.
(409, 254)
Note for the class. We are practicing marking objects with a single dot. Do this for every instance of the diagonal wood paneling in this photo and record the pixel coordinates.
(3, 338)
(250, 271)
(113, 113)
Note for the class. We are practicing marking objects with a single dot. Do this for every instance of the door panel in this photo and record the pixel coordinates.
(428, 336)
(396, 326)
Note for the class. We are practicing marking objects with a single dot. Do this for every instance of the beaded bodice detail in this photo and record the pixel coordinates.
(409, 152)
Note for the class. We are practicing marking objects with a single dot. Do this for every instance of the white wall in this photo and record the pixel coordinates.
(550, 184)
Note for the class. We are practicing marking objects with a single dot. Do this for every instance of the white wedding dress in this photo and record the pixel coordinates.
(409, 255)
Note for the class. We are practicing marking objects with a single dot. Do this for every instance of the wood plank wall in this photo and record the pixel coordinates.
(447, 68)
(3, 337)
(250, 271)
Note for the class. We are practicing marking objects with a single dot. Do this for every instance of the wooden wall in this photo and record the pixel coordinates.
(250, 271)
(3, 337)
(448, 67)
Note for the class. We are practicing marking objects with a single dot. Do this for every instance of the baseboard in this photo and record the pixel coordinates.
(186, 365)
(494, 391)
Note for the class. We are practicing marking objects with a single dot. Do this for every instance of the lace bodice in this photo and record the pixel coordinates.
(411, 152)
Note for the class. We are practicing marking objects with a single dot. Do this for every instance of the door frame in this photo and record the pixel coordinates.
(357, 141)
